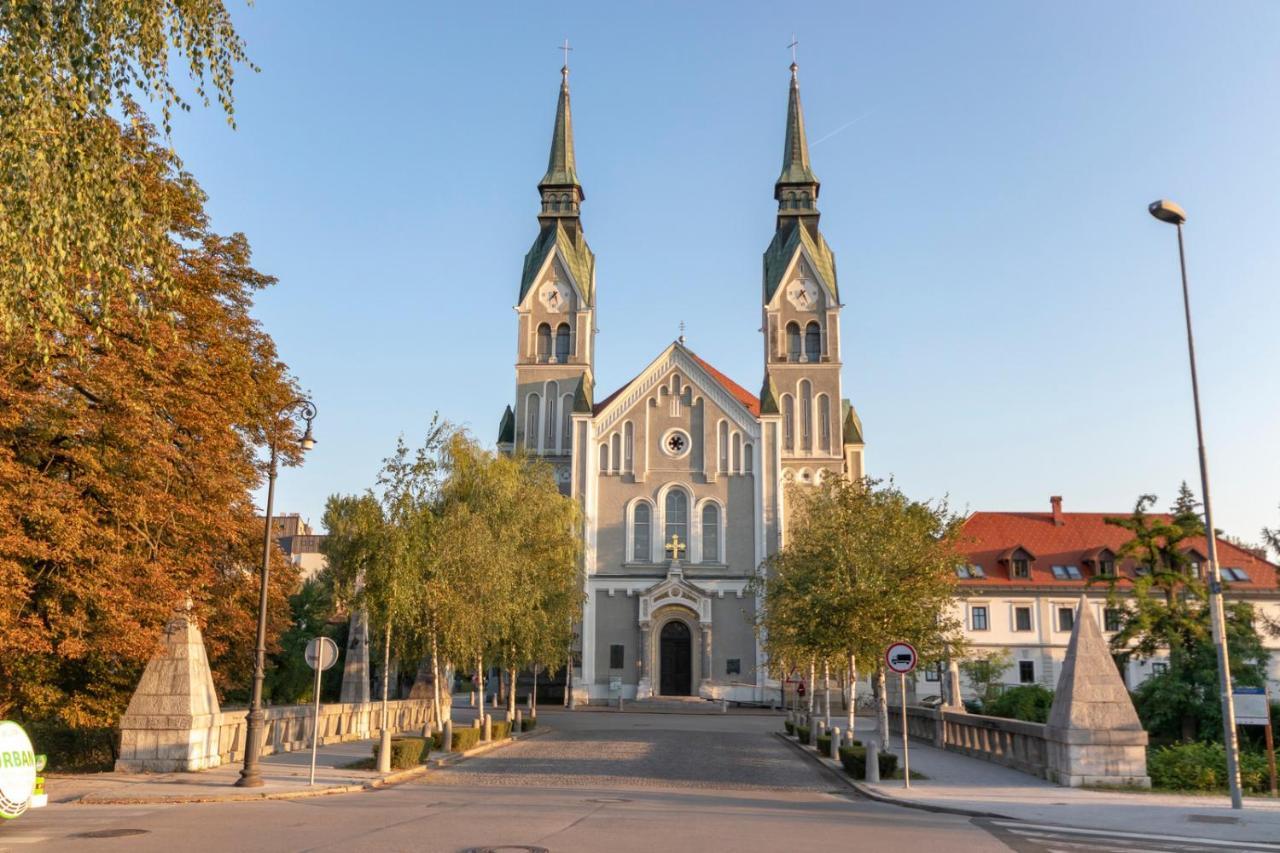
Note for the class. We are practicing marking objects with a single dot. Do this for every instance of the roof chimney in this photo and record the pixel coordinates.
(1056, 503)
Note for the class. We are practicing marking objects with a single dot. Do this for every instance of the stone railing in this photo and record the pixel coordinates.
(1013, 743)
(288, 727)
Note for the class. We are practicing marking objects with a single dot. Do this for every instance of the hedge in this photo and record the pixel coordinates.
(528, 724)
(854, 759)
(789, 726)
(500, 730)
(406, 751)
(824, 744)
(1203, 767)
(802, 732)
(85, 750)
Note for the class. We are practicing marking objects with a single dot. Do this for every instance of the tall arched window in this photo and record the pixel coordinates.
(615, 451)
(812, 342)
(604, 457)
(533, 413)
(737, 453)
(628, 446)
(806, 415)
(562, 343)
(824, 423)
(793, 342)
(640, 524)
(711, 534)
(677, 517)
(566, 422)
(723, 445)
(788, 422)
(746, 458)
(544, 342)
(553, 396)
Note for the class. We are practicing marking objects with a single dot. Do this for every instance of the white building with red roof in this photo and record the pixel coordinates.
(1025, 572)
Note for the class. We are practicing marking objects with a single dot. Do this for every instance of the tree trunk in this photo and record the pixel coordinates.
(853, 693)
(384, 744)
(533, 695)
(826, 693)
(1189, 728)
(813, 678)
(882, 703)
(511, 695)
(480, 689)
(437, 708)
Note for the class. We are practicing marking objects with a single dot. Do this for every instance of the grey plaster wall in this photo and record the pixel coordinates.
(616, 622)
(733, 636)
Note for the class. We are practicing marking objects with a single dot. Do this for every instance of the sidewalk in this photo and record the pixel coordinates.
(957, 782)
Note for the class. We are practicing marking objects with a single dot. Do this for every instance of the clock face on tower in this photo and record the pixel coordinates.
(554, 296)
(803, 294)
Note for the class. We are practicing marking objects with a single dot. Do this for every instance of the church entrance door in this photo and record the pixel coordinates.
(676, 660)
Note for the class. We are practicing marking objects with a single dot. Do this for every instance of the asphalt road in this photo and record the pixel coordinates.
(593, 782)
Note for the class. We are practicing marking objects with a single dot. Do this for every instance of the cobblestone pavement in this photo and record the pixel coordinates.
(644, 751)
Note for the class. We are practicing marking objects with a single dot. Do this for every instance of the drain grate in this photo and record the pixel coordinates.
(109, 833)
(1211, 818)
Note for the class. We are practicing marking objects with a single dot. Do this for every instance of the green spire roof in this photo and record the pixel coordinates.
(768, 396)
(851, 431)
(795, 156)
(507, 427)
(561, 171)
(582, 396)
(794, 234)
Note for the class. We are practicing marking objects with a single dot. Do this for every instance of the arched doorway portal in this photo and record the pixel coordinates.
(675, 667)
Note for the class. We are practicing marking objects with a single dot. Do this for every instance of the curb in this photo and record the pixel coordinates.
(870, 793)
(451, 758)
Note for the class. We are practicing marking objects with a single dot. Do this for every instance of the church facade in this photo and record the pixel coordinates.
(682, 474)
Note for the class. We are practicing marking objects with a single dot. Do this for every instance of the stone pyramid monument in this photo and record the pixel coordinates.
(1094, 735)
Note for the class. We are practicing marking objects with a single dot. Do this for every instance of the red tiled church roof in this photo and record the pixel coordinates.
(988, 537)
(742, 395)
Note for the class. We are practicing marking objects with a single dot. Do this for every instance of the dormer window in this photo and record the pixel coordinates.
(1021, 567)
(1017, 562)
(1107, 568)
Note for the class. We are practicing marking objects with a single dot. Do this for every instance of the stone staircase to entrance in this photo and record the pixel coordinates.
(673, 705)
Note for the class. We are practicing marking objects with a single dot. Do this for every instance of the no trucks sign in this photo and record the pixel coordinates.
(901, 658)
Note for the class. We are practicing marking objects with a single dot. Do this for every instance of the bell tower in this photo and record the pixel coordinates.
(555, 340)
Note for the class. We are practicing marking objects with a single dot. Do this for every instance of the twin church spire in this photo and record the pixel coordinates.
(562, 195)
(797, 186)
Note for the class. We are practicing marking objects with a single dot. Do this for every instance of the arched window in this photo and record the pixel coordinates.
(711, 534)
(628, 446)
(566, 422)
(640, 524)
(806, 415)
(615, 451)
(604, 457)
(746, 458)
(723, 443)
(533, 413)
(793, 342)
(544, 342)
(788, 422)
(812, 342)
(562, 343)
(677, 517)
(553, 395)
(824, 423)
(737, 453)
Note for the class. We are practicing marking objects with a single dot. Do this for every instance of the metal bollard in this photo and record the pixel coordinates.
(835, 743)
(724, 706)
(446, 744)
(519, 726)
(873, 759)
(488, 728)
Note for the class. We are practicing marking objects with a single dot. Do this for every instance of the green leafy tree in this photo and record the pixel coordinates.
(289, 678)
(76, 241)
(985, 673)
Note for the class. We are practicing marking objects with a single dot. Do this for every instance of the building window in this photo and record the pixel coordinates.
(1234, 574)
(628, 445)
(746, 458)
(1066, 618)
(788, 423)
(733, 666)
(1159, 668)
(640, 523)
(736, 466)
(1067, 573)
(677, 517)
(553, 394)
(1022, 618)
(544, 342)
(566, 422)
(531, 423)
(562, 343)
(1111, 619)
(793, 342)
(1107, 568)
(615, 452)
(978, 618)
(812, 342)
(711, 534)
(1027, 672)
(933, 672)
(615, 656)
(806, 415)
(966, 572)
(723, 433)
(1021, 568)
(604, 457)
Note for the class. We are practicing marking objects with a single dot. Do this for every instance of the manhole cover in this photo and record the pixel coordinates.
(509, 848)
(109, 833)
(608, 800)
(1211, 818)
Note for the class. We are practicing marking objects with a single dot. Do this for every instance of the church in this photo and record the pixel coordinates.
(682, 474)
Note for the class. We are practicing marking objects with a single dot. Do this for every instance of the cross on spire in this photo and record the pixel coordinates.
(675, 547)
(565, 47)
(794, 41)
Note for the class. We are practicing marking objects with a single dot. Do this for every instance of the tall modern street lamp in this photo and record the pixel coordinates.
(250, 775)
(1168, 211)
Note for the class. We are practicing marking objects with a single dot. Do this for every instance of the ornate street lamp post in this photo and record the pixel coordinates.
(250, 775)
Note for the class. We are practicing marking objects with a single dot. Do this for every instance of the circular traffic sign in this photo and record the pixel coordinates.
(321, 653)
(17, 771)
(901, 658)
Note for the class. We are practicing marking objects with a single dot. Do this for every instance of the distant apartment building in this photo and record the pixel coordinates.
(299, 543)
(1024, 573)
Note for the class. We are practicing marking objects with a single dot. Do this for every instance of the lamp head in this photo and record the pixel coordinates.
(1167, 211)
(308, 440)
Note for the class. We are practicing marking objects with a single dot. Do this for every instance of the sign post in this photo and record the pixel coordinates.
(902, 658)
(321, 654)
(1253, 708)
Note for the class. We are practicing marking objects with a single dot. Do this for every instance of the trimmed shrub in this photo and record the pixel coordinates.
(87, 750)
(824, 744)
(1030, 702)
(500, 730)
(465, 738)
(406, 751)
(802, 732)
(789, 726)
(1203, 767)
(528, 724)
(854, 759)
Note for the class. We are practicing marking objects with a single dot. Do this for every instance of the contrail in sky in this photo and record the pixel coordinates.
(842, 127)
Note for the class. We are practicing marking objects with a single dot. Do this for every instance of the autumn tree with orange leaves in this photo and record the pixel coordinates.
(127, 465)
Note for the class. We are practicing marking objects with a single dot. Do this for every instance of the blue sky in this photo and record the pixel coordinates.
(1012, 326)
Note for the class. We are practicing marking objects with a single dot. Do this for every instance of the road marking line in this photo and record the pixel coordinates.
(1207, 842)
